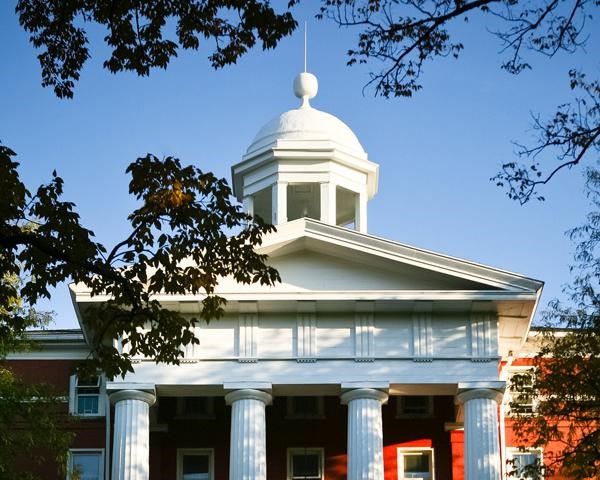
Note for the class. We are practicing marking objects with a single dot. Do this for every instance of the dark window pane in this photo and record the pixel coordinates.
(195, 467)
(415, 404)
(522, 460)
(87, 465)
(195, 406)
(306, 405)
(305, 465)
(87, 404)
(89, 382)
(415, 463)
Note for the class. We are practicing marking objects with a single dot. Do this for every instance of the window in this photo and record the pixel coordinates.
(520, 396)
(86, 464)
(523, 464)
(305, 464)
(86, 397)
(303, 200)
(263, 204)
(305, 407)
(414, 406)
(345, 207)
(415, 463)
(194, 464)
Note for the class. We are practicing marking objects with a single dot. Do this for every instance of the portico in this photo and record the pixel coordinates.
(364, 430)
(357, 365)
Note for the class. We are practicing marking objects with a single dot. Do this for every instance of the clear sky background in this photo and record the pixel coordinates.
(437, 150)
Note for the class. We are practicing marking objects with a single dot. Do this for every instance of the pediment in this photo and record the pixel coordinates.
(315, 257)
(313, 271)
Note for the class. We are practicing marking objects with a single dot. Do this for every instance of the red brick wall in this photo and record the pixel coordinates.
(426, 432)
(329, 433)
(88, 433)
(189, 434)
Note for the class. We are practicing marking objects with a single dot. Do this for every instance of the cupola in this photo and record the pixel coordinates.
(306, 163)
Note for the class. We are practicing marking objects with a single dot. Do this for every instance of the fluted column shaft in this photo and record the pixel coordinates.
(131, 454)
(365, 433)
(482, 443)
(248, 452)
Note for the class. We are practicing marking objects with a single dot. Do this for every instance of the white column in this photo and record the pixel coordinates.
(365, 433)
(131, 453)
(360, 212)
(328, 203)
(248, 452)
(482, 445)
(279, 203)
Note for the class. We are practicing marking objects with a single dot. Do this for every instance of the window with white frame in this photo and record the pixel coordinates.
(415, 463)
(86, 396)
(86, 464)
(305, 464)
(524, 464)
(520, 398)
(195, 464)
(414, 406)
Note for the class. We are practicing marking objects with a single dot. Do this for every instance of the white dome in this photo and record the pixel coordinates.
(307, 123)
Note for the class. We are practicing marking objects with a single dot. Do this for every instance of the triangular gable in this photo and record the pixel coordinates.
(308, 270)
(316, 256)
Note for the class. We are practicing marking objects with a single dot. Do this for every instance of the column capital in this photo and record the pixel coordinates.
(248, 394)
(469, 392)
(364, 393)
(130, 394)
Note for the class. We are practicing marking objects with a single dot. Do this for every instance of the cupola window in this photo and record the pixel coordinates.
(303, 200)
(345, 207)
(263, 204)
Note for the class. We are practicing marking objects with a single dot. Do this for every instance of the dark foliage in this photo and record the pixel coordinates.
(139, 32)
(566, 377)
(187, 233)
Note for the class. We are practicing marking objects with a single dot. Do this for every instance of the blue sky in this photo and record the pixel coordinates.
(436, 150)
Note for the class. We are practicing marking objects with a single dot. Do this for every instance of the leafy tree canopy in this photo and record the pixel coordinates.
(31, 420)
(30, 414)
(566, 379)
(186, 233)
(137, 33)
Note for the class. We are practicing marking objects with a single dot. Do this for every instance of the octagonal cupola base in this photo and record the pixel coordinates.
(306, 163)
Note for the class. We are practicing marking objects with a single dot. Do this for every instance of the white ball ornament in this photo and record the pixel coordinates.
(305, 85)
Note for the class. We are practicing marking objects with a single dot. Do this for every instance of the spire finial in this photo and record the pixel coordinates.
(305, 36)
(305, 84)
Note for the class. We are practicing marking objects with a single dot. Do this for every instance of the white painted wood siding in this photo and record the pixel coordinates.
(308, 336)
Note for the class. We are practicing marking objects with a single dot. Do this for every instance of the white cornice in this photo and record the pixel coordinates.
(402, 253)
(399, 295)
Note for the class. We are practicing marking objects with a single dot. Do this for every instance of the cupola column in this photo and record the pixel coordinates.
(248, 448)
(279, 202)
(360, 212)
(365, 433)
(131, 453)
(482, 443)
(328, 203)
